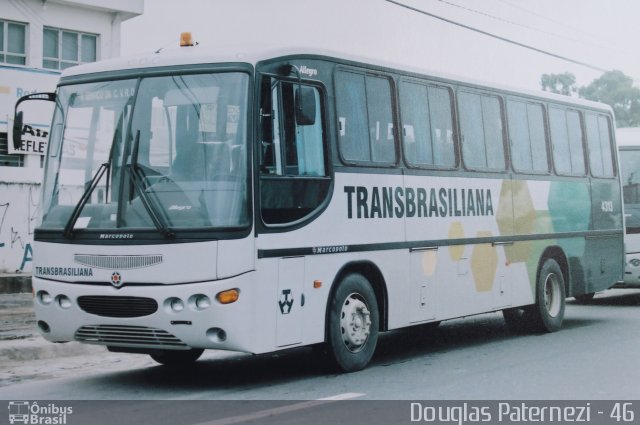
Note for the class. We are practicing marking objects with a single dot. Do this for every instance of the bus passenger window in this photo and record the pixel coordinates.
(566, 139)
(527, 136)
(365, 118)
(427, 125)
(599, 144)
(481, 127)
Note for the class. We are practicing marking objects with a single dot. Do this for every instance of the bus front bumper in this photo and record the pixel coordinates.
(158, 317)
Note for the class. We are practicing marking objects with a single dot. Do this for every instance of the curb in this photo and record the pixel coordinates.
(15, 283)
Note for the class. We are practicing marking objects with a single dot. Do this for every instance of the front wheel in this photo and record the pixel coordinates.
(177, 358)
(548, 312)
(353, 324)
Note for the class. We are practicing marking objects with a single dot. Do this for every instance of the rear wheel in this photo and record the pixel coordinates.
(177, 358)
(353, 324)
(548, 312)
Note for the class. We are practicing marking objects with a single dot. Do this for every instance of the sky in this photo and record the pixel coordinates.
(601, 33)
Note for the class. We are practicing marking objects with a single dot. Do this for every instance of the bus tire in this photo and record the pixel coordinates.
(548, 312)
(353, 324)
(177, 358)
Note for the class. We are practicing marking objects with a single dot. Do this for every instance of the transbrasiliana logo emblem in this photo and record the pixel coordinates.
(116, 279)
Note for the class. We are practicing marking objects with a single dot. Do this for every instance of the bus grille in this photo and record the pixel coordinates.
(118, 262)
(128, 336)
(108, 306)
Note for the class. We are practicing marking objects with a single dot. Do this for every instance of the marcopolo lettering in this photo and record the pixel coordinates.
(399, 202)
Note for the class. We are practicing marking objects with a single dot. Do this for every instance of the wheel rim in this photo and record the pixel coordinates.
(355, 322)
(552, 294)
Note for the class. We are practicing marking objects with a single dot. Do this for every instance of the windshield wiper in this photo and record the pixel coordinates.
(137, 179)
(68, 229)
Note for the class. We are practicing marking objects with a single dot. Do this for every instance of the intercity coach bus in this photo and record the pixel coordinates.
(255, 201)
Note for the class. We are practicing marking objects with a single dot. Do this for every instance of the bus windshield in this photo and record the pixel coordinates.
(166, 153)
(630, 174)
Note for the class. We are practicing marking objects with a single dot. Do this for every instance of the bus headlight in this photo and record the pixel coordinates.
(199, 302)
(44, 297)
(63, 301)
(175, 304)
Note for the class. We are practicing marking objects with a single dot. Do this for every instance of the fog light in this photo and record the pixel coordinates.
(216, 334)
(176, 305)
(199, 302)
(228, 297)
(44, 327)
(44, 297)
(63, 301)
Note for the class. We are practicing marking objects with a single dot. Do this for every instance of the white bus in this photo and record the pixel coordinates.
(629, 151)
(256, 201)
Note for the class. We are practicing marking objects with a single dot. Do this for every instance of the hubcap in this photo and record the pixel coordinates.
(552, 292)
(355, 323)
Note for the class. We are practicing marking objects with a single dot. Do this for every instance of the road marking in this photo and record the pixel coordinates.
(345, 396)
(281, 410)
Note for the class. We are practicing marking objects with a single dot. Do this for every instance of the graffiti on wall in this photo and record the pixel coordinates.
(18, 220)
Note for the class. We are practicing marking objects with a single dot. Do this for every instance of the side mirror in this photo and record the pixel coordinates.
(305, 105)
(17, 130)
(18, 118)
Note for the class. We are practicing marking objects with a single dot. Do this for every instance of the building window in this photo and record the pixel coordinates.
(62, 49)
(7, 160)
(13, 43)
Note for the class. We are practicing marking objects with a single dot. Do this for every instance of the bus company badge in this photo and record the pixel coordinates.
(116, 280)
(286, 302)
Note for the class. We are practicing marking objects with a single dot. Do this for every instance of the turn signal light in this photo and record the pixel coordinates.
(186, 39)
(228, 297)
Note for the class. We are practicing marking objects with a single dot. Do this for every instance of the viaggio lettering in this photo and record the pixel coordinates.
(399, 202)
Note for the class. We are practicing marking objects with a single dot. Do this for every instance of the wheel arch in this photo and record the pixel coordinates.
(372, 273)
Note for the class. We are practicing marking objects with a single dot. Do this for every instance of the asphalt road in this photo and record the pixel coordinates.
(594, 357)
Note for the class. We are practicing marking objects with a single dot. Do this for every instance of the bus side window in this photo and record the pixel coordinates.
(527, 136)
(566, 139)
(481, 127)
(427, 125)
(365, 118)
(599, 144)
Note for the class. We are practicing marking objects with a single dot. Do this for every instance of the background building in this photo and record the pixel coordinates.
(38, 39)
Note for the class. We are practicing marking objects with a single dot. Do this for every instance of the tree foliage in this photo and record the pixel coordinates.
(559, 83)
(616, 89)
